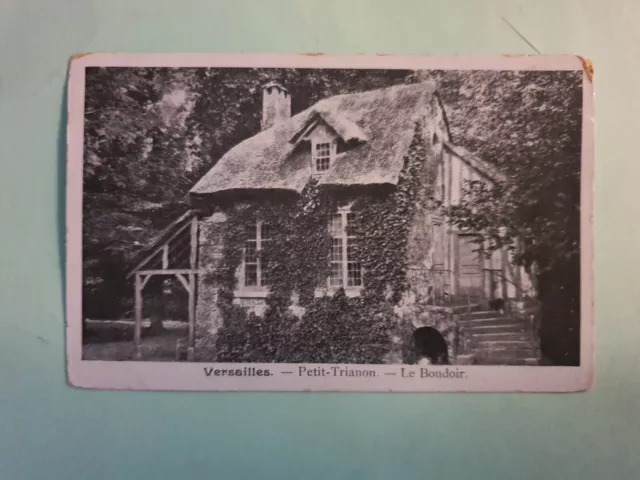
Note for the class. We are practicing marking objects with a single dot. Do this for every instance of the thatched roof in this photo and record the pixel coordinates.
(346, 129)
(378, 123)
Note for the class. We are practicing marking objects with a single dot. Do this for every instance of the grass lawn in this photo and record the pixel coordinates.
(113, 340)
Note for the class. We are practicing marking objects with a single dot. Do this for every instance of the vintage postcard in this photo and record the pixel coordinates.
(330, 223)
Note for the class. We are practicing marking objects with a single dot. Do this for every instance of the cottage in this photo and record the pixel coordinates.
(344, 198)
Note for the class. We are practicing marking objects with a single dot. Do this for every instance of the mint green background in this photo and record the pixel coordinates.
(49, 430)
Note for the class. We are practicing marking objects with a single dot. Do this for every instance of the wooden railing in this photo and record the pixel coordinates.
(530, 310)
(443, 287)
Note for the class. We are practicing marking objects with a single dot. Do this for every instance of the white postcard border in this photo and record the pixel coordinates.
(197, 376)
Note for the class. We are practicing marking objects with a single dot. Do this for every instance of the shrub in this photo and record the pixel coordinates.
(334, 329)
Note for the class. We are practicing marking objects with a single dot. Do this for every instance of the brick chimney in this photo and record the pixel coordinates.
(276, 105)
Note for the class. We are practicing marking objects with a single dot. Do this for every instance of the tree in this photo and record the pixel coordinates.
(528, 124)
(135, 174)
(151, 133)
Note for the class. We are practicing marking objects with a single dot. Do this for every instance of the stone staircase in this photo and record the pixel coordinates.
(499, 339)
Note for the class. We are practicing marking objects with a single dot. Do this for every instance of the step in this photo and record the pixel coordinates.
(512, 335)
(492, 321)
(527, 361)
(474, 330)
(494, 345)
(483, 314)
(503, 354)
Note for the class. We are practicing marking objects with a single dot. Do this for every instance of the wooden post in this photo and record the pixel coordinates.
(491, 275)
(503, 271)
(138, 326)
(165, 257)
(483, 270)
(193, 264)
(456, 288)
(192, 316)
(517, 275)
(194, 243)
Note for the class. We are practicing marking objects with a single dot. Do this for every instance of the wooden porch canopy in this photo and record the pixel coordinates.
(172, 253)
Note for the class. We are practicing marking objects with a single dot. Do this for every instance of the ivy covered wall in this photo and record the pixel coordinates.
(295, 324)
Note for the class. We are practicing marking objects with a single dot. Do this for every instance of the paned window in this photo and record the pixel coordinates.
(255, 266)
(345, 269)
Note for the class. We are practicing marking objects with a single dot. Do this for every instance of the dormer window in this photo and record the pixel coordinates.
(323, 154)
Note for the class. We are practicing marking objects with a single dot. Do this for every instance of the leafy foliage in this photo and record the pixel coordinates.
(228, 101)
(529, 125)
(135, 174)
(339, 329)
(383, 221)
(150, 133)
(334, 329)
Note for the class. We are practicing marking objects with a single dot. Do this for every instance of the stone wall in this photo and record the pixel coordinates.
(210, 242)
(416, 308)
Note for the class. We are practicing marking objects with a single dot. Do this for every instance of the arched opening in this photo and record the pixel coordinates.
(429, 343)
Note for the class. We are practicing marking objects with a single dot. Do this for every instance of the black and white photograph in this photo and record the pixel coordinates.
(297, 222)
